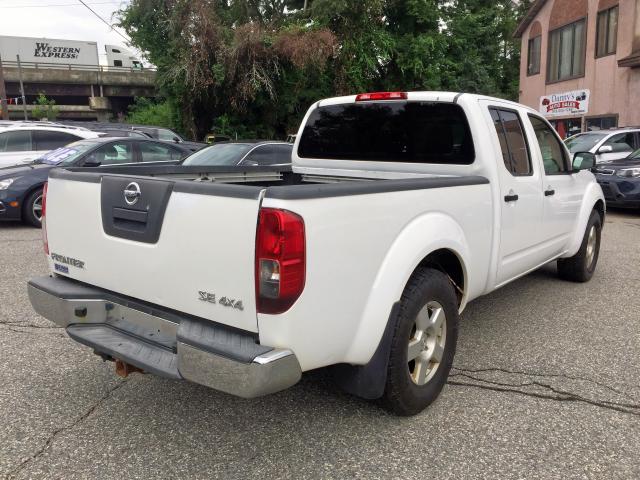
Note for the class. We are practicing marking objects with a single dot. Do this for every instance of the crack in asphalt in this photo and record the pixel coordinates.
(29, 325)
(560, 395)
(27, 332)
(549, 375)
(51, 438)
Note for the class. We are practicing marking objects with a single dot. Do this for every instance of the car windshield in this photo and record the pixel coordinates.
(221, 154)
(583, 142)
(65, 155)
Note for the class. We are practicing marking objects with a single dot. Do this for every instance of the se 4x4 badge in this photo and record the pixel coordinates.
(224, 301)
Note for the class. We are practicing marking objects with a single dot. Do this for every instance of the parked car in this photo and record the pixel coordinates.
(607, 145)
(167, 135)
(620, 181)
(25, 142)
(21, 185)
(38, 123)
(117, 132)
(401, 209)
(158, 133)
(242, 153)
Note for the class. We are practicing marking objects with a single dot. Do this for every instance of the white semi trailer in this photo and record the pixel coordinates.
(48, 50)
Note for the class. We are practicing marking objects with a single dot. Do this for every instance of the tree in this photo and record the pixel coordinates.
(253, 67)
(44, 109)
(219, 58)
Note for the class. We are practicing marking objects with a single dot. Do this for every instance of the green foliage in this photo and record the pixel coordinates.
(148, 112)
(253, 67)
(44, 108)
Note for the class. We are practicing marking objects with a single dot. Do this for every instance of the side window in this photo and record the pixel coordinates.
(117, 63)
(113, 154)
(152, 152)
(554, 156)
(515, 153)
(16, 141)
(164, 134)
(51, 140)
(269, 155)
(622, 142)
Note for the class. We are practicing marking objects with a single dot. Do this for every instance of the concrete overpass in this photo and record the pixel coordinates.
(81, 92)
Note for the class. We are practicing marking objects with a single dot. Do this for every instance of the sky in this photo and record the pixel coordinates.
(62, 19)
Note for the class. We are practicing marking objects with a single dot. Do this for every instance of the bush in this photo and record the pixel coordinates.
(44, 109)
(148, 112)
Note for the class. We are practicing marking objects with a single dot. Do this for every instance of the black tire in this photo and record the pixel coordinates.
(580, 267)
(27, 209)
(402, 395)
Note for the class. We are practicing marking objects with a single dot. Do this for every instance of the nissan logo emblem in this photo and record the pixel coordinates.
(132, 193)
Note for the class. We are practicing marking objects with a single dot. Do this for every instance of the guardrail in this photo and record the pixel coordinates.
(84, 68)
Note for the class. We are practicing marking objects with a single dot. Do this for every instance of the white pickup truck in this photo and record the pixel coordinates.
(400, 209)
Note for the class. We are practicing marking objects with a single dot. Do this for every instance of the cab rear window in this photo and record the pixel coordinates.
(394, 131)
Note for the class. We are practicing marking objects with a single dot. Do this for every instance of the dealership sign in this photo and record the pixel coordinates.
(568, 103)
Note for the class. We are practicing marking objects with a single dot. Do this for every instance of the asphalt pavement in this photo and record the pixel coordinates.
(546, 385)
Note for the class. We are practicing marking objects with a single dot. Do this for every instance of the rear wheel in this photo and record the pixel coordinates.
(32, 209)
(423, 344)
(581, 266)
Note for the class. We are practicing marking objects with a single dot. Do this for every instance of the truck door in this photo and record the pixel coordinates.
(520, 196)
(562, 196)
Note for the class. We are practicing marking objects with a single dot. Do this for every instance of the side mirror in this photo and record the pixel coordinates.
(583, 161)
(605, 149)
(176, 139)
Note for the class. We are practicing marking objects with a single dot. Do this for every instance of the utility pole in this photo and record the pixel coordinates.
(4, 107)
(24, 100)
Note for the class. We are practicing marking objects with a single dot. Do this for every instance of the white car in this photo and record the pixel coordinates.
(607, 145)
(401, 209)
(24, 141)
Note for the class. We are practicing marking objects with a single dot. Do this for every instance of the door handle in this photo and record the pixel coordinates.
(510, 198)
(550, 192)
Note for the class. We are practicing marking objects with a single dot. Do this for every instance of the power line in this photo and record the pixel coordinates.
(54, 5)
(128, 40)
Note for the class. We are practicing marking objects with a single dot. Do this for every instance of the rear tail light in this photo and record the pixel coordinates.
(369, 97)
(44, 221)
(280, 260)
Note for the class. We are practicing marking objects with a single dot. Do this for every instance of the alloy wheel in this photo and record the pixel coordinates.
(426, 343)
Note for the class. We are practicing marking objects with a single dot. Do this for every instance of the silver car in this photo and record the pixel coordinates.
(607, 145)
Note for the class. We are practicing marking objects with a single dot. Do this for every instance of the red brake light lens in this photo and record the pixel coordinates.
(280, 260)
(43, 219)
(369, 97)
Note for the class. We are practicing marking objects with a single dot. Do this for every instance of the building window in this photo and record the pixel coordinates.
(567, 52)
(607, 32)
(601, 123)
(533, 57)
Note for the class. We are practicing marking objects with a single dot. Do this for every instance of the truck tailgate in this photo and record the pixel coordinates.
(189, 246)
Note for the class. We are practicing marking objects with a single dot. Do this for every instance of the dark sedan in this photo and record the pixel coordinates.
(620, 181)
(21, 186)
(246, 153)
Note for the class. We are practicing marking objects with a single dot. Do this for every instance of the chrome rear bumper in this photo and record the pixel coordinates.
(162, 342)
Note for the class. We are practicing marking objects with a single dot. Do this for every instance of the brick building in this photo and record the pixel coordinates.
(580, 63)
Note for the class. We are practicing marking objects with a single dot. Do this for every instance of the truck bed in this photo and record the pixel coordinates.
(192, 237)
